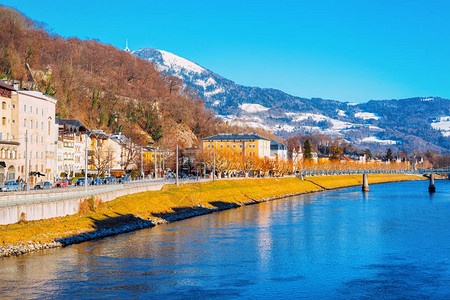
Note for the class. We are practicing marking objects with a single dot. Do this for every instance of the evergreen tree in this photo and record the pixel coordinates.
(389, 155)
(307, 146)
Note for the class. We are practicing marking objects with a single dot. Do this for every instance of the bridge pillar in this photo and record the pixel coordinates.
(365, 185)
(431, 187)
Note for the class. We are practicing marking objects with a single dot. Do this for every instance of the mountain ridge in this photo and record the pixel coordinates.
(418, 123)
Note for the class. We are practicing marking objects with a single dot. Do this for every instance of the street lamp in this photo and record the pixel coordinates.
(85, 159)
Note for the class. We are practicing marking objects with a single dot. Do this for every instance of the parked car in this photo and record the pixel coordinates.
(124, 179)
(62, 183)
(80, 181)
(96, 181)
(9, 186)
(43, 185)
(169, 176)
(109, 180)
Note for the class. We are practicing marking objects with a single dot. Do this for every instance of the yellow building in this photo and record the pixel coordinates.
(250, 144)
(148, 158)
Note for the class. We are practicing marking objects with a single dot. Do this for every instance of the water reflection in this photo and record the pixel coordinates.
(338, 243)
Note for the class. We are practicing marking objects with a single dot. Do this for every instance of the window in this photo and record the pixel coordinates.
(42, 125)
(234, 145)
(42, 140)
(3, 120)
(37, 155)
(3, 105)
(7, 136)
(49, 124)
(240, 146)
(24, 122)
(228, 146)
(31, 124)
(31, 109)
(3, 153)
(1, 136)
(13, 106)
(24, 108)
(37, 111)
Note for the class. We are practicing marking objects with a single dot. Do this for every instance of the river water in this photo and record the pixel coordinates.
(393, 242)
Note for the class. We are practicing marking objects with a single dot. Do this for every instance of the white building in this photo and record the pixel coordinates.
(37, 136)
(297, 159)
(278, 151)
(70, 150)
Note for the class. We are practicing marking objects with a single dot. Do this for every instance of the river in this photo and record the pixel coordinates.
(393, 242)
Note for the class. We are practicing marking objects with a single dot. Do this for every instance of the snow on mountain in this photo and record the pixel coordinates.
(341, 113)
(179, 64)
(443, 125)
(374, 139)
(377, 122)
(252, 108)
(366, 116)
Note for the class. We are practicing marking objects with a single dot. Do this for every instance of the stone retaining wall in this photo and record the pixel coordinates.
(46, 209)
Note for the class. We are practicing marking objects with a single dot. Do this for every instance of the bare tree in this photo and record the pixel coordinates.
(101, 157)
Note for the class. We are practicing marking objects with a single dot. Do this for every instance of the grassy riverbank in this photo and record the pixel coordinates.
(159, 206)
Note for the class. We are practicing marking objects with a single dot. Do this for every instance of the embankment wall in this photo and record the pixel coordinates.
(45, 209)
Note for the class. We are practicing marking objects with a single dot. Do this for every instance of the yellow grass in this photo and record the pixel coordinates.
(148, 205)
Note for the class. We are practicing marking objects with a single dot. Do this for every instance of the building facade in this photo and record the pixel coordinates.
(70, 150)
(251, 145)
(278, 151)
(37, 136)
(8, 132)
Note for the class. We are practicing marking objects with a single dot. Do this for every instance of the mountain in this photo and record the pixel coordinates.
(421, 123)
(101, 86)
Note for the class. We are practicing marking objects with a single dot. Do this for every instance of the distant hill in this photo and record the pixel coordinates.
(100, 85)
(421, 123)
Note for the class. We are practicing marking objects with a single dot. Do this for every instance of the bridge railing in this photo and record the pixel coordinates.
(387, 169)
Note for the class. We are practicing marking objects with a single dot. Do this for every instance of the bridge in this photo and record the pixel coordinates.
(386, 169)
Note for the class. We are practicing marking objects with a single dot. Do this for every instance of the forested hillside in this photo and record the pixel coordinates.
(100, 85)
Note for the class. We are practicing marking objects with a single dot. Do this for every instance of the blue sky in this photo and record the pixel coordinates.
(345, 50)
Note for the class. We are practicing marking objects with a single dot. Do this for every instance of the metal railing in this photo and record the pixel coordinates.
(350, 170)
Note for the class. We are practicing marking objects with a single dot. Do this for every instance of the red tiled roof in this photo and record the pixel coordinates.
(6, 86)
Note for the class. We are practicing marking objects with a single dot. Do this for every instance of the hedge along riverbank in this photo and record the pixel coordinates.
(147, 209)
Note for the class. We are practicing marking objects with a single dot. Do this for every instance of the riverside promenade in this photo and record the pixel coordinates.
(38, 204)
